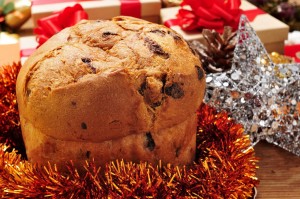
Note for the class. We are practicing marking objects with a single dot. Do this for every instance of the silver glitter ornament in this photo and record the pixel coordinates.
(261, 95)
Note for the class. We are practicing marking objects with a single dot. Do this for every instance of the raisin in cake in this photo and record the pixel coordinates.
(111, 89)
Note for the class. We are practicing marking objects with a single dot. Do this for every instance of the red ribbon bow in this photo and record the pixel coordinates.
(48, 26)
(211, 14)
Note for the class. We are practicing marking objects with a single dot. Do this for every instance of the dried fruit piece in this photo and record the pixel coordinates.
(156, 48)
(150, 144)
(174, 91)
(159, 32)
(200, 72)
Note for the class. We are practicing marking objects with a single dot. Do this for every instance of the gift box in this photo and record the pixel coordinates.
(270, 30)
(28, 45)
(9, 48)
(100, 9)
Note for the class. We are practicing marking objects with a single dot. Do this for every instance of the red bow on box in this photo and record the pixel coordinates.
(211, 14)
(48, 26)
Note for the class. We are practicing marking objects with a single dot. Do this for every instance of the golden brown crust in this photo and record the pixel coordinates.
(180, 147)
(100, 81)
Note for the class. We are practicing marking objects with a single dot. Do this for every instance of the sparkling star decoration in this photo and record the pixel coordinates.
(261, 95)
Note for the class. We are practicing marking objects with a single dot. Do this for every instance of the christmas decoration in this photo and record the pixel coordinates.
(284, 10)
(256, 16)
(292, 45)
(48, 26)
(217, 52)
(14, 14)
(225, 167)
(10, 131)
(264, 96)
(280, 59)
(209, 14)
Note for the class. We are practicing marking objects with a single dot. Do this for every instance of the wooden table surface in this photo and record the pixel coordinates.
(279, 173)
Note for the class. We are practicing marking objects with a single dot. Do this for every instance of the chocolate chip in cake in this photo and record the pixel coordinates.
(142, 88)
(159, 32)
(88, 154)
(156, 48)
(156, 104)
(73, 103)
(164, 81)
(83, 125)
(94, 70)
(200, 72)
(106, 34)
(150, 144)
(174, 91)
(175, 36)
(89, 64)
(86, 60)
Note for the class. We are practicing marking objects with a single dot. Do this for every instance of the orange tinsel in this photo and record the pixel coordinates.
(225, 167)
(10, 132)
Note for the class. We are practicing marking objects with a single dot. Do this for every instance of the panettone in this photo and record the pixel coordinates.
(111, 89)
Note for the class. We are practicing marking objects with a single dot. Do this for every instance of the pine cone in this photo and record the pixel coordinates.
(217, 52)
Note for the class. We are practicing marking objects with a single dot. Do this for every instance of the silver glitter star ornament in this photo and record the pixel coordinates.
(262, 96)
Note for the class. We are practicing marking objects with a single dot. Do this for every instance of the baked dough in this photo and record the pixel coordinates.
(111, 89)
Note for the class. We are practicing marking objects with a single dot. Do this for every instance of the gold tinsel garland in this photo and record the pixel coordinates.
(10, 132)
(225, 166)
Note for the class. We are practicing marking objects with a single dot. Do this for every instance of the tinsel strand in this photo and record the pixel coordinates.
(10, 131)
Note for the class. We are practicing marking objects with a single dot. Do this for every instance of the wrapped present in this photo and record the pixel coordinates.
(270, 30)
(47, 27)
(28, 45)
(9, 48)
(292, 45)
(100, 9)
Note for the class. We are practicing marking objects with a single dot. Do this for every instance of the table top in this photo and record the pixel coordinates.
(279, 173)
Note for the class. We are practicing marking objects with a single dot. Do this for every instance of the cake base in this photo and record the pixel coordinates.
(174, 145)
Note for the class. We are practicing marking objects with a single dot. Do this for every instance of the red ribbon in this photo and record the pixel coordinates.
(251, 14)
(51, 25)
(131, 8)
(48, 26)
(210, 14)
(293, 51)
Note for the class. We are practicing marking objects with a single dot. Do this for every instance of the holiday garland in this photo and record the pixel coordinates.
(10, 131)
(224, 167)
